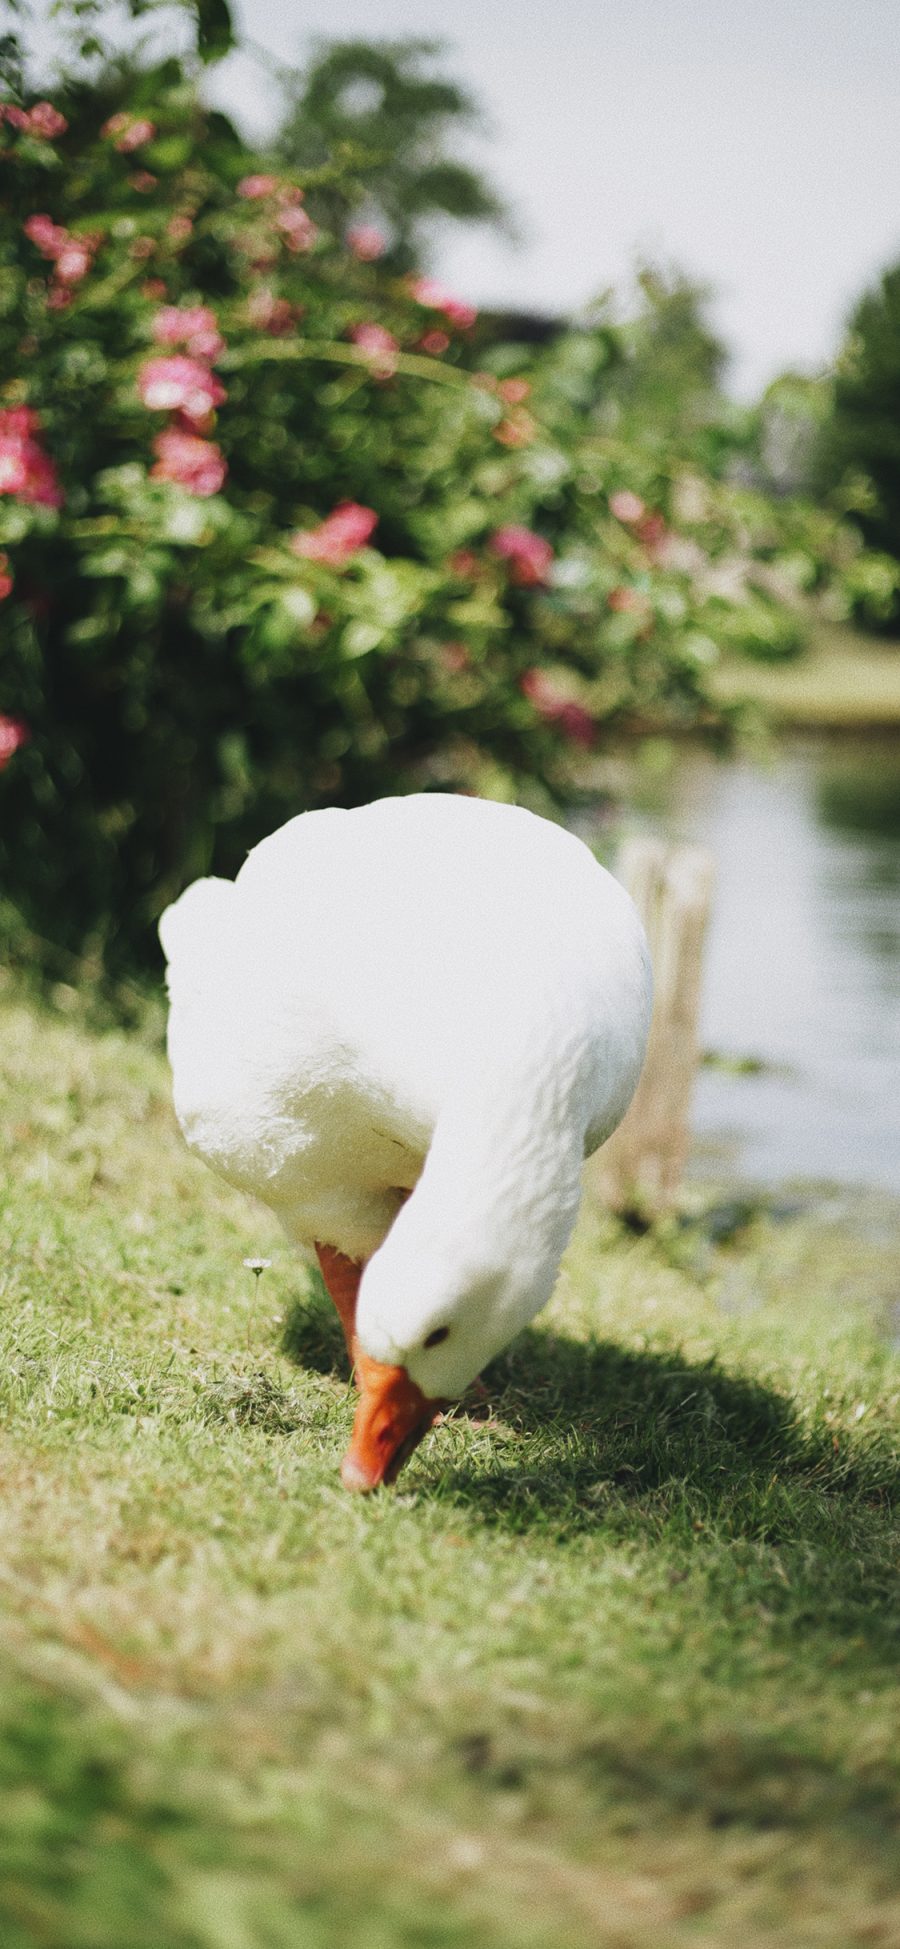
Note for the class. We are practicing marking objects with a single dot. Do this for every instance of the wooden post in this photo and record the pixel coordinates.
(640, 1168)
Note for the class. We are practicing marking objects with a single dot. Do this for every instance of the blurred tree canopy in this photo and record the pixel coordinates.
(379, 111)
(672, 371)
(280, 526)
(859, 448)
(97, 31)
(790, 422)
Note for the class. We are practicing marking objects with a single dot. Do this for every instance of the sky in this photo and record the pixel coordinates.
(753, 143)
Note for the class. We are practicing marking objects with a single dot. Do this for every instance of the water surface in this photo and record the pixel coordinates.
(803, 959)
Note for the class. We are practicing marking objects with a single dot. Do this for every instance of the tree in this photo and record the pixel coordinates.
(860, 445)
(674, 362)
(378, 110)
(789, 422)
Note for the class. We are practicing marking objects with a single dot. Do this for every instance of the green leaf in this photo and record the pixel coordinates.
(360, 638)
(215, 29)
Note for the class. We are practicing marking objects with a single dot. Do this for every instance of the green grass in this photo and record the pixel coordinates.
(845, 681)
(616, 1664)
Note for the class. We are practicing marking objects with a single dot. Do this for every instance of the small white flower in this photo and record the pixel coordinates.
(257, 1265)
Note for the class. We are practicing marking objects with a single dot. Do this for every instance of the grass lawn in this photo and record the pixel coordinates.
(616, 1664)
(845, 681)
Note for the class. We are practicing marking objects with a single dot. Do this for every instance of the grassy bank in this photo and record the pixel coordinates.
(616, 1664)
(844, 681)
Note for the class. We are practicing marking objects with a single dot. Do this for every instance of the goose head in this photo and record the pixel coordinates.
(427, 1323)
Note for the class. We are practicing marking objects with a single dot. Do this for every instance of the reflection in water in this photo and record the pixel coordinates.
(803, 960)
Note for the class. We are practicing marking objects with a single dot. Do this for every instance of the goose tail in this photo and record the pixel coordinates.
(192, 930)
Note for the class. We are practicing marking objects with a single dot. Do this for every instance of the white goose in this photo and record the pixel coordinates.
(431, 995)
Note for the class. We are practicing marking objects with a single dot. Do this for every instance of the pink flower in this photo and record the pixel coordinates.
(340, 535)
(46, 122)
(196, 464)
(556, 708)
(514, 391)
(74, 260)
(270, 314)
(529, 555)
(72, 255)
(179, 228)
(139, 133)
(128, 132)
(135, 137)
(366, 242)
(190, 325)
(168, 325)
(434, 343)
(43, 120)
(14, 733)
(652, 531)
(650, 527)
(459, 313)
(517, 429)
(6, 581)
(142, 181)
(254, 187)
(49, 237)
(298, 230)
(622, 599)
(626, 507)
(432, 295)
(427, 291)
(25, 469)
(179, 384)
(539, 689)
(20, 420)
(577, 724)
(454, 658)
(380, 347)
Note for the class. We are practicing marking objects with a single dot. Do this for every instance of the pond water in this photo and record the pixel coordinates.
(802, 970)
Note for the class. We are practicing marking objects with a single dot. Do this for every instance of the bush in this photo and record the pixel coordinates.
(860, 442)
(274, 534)
(763, 632)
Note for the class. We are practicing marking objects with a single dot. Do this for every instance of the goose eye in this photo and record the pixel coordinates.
(434, 1339)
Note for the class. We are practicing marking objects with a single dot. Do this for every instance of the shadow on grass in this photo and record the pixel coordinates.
(646, 1447)
(312, 1336)
(651, 1447)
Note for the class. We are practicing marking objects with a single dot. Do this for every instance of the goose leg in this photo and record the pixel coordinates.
(342, 1277)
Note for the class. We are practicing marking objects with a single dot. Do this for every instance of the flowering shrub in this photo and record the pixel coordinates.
(357, 555)
(13, 734)
(366, 242)
(530, 558)
(25, 469)
(381, 346)
(182, 385)
(341, 535)
(182, 457)
(433, 297)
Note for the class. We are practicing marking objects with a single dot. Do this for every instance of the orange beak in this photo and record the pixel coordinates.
(392, 1417)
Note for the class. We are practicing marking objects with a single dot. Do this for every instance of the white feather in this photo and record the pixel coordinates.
(432, 994)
